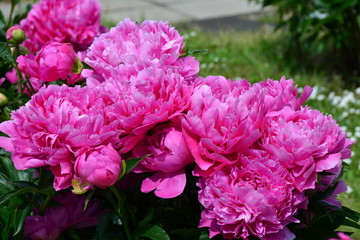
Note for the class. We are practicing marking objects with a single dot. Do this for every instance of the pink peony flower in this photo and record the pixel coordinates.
(54, 126)
(168, 156)
(54, 61)
(306, 142)
(154, 96)
(342, 236)
(282, 93)
(129, 48)
(2, 80)
(76, 22)
(223, 120)
(70, 215)
(255, 198)
(99, 166)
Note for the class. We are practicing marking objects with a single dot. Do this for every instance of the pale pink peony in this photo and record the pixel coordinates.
(70, 215)
(282, 93)
(99, 166)
(129, 48)
(223, 120)
(168, 156)
(154, 96)
(255, 198)
(52, 128)
(54, 61)
(76, 22)
(342, 236)
(306, 142)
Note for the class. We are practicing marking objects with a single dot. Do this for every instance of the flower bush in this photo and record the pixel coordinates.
(90, 141)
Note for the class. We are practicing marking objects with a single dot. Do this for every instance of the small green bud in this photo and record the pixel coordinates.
(78, 66)
(18, 35)
(3, 100)
(24, 50)
(78, 187)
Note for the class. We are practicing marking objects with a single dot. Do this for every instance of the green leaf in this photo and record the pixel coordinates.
(353, 215)
(197, 51)
(21, 218)
(88, 198)
(350, 223)
(131, 163)
(5, 53)
(156, 233)
(17, 192)
(23, 184)
(2, 18)
(101, 228)
(15, 2)
(145, 222)
(204, 235)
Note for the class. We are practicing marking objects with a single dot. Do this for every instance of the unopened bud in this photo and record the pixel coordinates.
(23, 50)
(3, 100)
(18, 35)
(79, 187)
(78, 66)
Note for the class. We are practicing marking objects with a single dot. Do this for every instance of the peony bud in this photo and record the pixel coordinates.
(54, 61)
(15, 33)
(78, 66)
(18, 35)
(98, 166)
(23, 50)
(3, 100)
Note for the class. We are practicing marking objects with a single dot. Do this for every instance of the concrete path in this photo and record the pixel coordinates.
(174, 11)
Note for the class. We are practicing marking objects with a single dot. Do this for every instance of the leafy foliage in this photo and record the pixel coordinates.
(330, 26)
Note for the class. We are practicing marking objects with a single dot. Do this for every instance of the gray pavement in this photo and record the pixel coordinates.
(176, 11)
(173, 11)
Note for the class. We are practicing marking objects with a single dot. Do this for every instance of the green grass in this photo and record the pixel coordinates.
(259, 55)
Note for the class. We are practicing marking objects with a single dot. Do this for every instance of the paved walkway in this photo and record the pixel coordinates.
(174, 11)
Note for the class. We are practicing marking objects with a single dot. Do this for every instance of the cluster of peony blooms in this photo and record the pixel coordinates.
(256, 150)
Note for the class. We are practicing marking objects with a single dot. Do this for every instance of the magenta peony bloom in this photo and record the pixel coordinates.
(169, 155)
(306, 142)
(70, 215)
(256, 198)
(342, 236)
(154, 96)
(223, 120)
(54, 126)
(76, 22)
(129, 48)
(99, 166)
(54, 61)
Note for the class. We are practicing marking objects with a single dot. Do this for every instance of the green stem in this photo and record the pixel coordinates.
(7, 116)
(10, 16)
(47, 201)
(121, 211)
(29, 86)
(18, 72)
